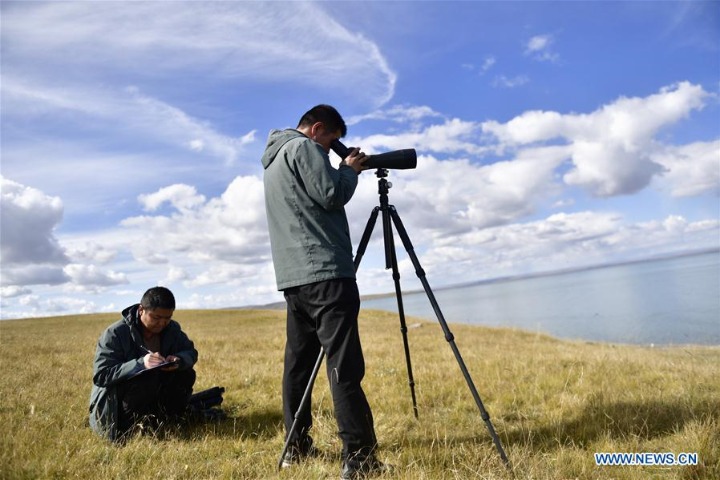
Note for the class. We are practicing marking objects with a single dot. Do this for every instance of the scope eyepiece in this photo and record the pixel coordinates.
(397, 159)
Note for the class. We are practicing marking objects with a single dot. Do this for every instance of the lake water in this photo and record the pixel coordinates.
(662, 302)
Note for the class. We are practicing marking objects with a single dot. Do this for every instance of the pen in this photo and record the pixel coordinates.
(147, 350)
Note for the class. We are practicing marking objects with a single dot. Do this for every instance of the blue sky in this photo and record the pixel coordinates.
(550, 135)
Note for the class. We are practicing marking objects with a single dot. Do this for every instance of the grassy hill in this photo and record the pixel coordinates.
(553, 403)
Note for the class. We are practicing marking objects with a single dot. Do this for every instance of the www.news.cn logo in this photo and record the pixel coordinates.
(666, 459)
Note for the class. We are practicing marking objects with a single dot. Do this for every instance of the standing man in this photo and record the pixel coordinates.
(143, 368)
(312, 254)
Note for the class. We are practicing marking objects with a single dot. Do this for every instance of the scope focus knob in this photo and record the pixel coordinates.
(389, 184)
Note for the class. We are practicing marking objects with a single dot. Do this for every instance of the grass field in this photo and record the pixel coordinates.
(553, 403)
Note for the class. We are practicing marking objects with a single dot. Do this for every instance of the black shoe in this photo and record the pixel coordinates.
(299, 451)
(359, 467)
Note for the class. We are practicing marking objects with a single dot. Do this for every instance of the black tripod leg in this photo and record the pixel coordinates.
(303, 403)
(391, 261)
(365, 239)
(446, 330)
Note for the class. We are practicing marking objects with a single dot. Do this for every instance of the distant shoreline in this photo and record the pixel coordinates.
(281, 305)
(511, 278)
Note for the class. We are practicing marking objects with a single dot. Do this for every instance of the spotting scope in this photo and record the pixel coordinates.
(397, 159)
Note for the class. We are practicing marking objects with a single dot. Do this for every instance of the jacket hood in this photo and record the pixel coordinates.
(276, 140)
(130, 314)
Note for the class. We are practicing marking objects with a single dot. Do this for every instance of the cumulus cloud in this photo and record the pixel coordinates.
(175, 275)
(535, 156)
(14, 291)
(564, 240)
(229, 228)
(451, 136)
(446, 197)
(182, 197)
(91, 275)
(25, 275)
(29, 218)
(612, 147)
(690, 170)
(31, 252)
(36, 305)
(220, 241)
(91, 252)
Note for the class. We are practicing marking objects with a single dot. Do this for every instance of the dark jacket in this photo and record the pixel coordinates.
(305, 198)
(119, 355)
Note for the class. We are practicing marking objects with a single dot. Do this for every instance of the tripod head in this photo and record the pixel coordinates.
(383, 185)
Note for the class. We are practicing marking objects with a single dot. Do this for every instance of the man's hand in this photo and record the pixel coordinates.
(172, 358)
(355, 160)
(152, 359)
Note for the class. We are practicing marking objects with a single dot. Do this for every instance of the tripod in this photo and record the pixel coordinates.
(390, 217)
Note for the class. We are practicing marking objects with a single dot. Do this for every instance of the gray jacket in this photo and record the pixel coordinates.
(119, 356)
(305, 198)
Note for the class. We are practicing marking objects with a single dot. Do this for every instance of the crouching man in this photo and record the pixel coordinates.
(143, 368)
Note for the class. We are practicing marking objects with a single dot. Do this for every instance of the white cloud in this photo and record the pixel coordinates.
(36, 306)
(612, 147)
(31, 274)
(126, 110)
(690, 170)
(538, 43)
(630, 122)
(83, 275)
(448, 197)
(175, 275)
(31, 252)
(91, 252)
(561, 241)
(488, 63)
(607, 169)
(268, 41)
(230, 228)
(466, 208)
(451, 136)
(397, 113)
(13, 291)
(182, 197)
(29, 218)
(503, 81)
(539, 47)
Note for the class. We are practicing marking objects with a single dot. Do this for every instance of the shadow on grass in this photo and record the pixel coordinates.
(256, 423)
(618, 420)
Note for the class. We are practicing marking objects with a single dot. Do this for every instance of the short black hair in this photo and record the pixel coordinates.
(158, 297)
(324, 114)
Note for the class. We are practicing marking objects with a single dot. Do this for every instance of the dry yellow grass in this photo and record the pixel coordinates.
(554, 404)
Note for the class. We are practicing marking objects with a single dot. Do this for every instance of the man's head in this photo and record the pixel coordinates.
(323, 124)
(156, 309)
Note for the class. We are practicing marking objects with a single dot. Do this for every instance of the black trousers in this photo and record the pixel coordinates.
(325, 314)
(162, 394)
